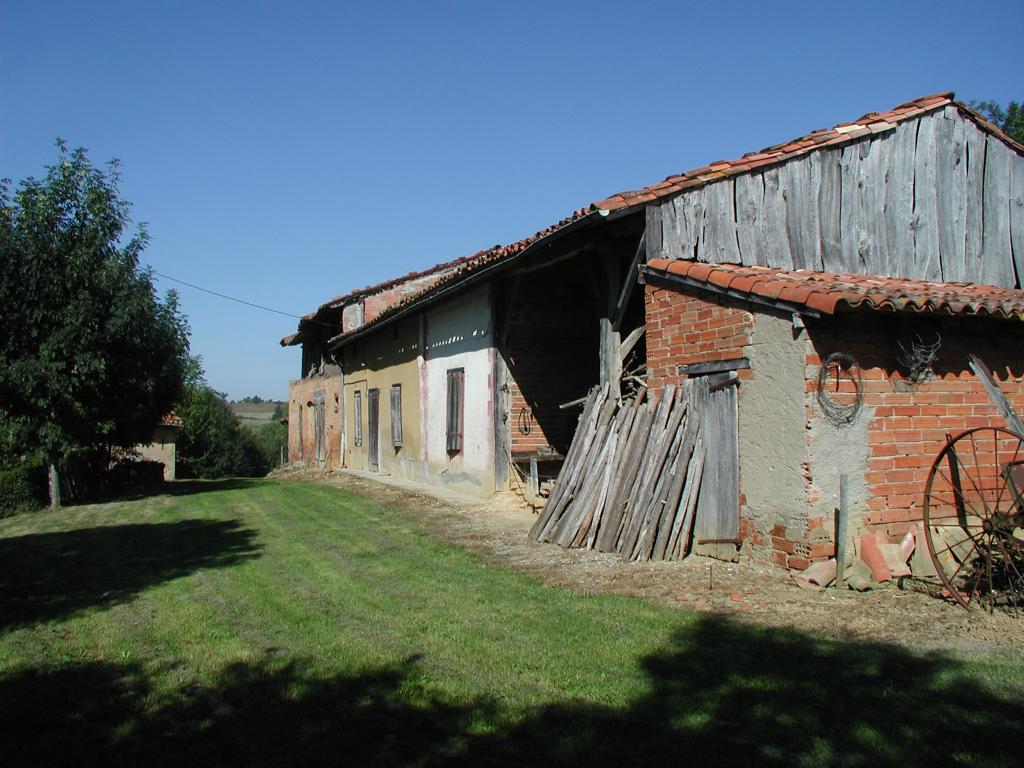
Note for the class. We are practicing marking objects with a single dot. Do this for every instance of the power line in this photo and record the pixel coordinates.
(240, 301)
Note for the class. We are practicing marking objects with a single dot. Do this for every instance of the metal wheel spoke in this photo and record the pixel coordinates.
(1013, 564)
(969, 521)
(974, 548)
(964, 541)
(970, 477)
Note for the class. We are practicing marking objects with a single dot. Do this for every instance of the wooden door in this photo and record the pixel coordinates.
(318, 426)
(717, 525)
(373, 438)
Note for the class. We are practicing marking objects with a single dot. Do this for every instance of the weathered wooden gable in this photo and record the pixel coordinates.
(934, 198)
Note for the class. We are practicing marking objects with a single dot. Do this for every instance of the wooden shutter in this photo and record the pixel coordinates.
(456, 385)
(396, 415)
(357, 417)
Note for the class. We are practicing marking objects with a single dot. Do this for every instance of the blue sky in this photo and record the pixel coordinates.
(285, 153)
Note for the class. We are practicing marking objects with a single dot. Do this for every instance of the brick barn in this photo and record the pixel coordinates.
(840, 279)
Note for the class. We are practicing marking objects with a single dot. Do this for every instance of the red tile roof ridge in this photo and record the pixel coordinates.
(470, 264)
(824, 291)
(844, 132)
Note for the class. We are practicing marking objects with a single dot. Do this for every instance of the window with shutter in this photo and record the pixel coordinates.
(357, 418)
(456, 387)
(396, 415)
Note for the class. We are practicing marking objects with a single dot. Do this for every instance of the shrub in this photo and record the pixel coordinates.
(212, 444)
(22, 488)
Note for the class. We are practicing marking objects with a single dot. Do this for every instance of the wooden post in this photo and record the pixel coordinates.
(610, 359)
(54, 476)
(534, 479)
(841, 524)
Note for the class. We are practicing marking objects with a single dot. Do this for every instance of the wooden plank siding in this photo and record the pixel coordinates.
(933, 199)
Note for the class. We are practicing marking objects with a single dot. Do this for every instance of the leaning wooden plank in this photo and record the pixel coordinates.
(609, 516)
(565, 485)
(693, 487)
(661, 416)
(672, 499)
(578, 526)
(578, 517)
(590, 525)
(683, 505)
(630, 341)
(641, 487)
(647, 509)
(699, 393)
(656, 509)
(561, 488)
(996, 394)
(630, 466)
(589, 477)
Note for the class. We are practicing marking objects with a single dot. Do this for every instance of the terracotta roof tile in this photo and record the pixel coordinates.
(824, 292)
(869, 124)
(842, 133)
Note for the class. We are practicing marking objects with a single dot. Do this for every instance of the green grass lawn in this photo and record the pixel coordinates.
(283, 623)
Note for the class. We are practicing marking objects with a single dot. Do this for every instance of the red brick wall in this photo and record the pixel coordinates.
(685, 329)
(301, 437)
(909, 422)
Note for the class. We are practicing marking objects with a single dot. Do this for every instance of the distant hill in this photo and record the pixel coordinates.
(255, 415)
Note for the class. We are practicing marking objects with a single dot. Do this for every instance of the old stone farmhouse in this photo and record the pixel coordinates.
(844, 277)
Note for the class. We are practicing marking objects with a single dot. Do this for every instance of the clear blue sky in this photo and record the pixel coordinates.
(285, 153)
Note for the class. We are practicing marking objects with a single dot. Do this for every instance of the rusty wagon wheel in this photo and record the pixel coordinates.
(974, 517)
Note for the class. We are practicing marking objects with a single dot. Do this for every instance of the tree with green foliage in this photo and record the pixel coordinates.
(1010, 120)
(89, 354)
(212, 443)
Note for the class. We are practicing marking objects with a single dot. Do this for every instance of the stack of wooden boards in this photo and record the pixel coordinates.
(631, 480)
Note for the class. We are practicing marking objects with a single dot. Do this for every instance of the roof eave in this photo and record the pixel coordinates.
(474, 276)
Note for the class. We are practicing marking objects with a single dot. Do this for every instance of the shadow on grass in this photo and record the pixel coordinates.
(720, 694)
(183, 488)
(45, 576)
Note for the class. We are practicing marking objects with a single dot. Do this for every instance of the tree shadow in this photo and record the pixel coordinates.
(44, 576)
(719, 694)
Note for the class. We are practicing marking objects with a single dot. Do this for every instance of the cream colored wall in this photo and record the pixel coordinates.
(385, 358)
(162, 449)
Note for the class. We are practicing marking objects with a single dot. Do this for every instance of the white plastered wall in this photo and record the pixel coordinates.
(459, 334)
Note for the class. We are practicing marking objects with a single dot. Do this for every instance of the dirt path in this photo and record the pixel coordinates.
(746, 591)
